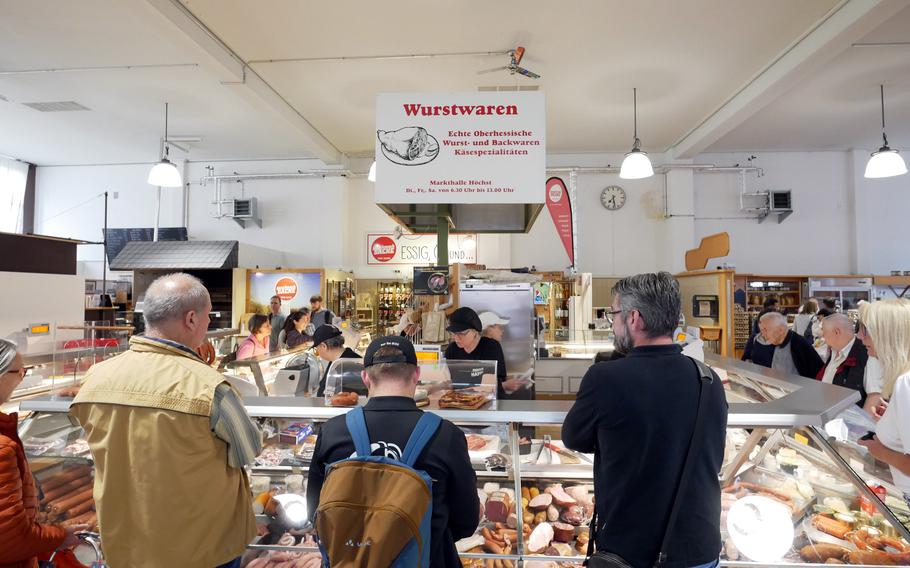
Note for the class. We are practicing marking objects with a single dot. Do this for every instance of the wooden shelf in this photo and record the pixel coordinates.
(891, 280)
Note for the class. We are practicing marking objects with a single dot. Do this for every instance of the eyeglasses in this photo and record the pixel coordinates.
(462, 334)
(610, 316)
(22, 371)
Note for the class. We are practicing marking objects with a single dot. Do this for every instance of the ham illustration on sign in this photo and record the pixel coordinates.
(286, 289)
(383, 249)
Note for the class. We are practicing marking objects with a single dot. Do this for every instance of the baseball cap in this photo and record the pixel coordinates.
(401, 343)
(324, 333)
(490, 318)
(462, 319)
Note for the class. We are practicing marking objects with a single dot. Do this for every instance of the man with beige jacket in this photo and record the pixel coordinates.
(169, 437)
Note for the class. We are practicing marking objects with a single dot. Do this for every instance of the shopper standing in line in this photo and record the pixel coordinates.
(846, 366)
(22, 537)
(276, 320)
(792, 354)
(885, 331)
(803, 319)
(257, 342)
(170, 438)
(391, 373)
(637, 415)
(319, 316)
(771, 304)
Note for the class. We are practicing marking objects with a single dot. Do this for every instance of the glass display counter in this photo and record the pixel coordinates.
(784, 485)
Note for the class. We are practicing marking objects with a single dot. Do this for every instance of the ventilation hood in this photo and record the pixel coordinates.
(465, 217)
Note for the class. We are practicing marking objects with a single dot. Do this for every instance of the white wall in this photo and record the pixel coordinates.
(818, 238)
(322, 222)
(56, 299)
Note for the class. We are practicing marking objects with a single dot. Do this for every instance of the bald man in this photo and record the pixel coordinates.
(793, 355)
(846, 366)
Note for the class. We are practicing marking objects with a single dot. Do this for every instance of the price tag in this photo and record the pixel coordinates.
(801, 439)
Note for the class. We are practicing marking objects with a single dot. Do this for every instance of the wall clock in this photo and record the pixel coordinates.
(613, 197)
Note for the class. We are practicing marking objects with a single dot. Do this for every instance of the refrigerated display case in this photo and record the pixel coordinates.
(848, 291)
(789, 480)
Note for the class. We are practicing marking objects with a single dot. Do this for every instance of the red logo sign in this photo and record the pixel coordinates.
(383, 249)
(286, 289)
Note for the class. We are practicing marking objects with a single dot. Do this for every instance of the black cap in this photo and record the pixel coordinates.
(324, 333)
(401, 343)
(462, 319)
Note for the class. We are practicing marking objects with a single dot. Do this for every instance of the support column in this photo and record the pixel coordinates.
(442, 235)
(680, 218)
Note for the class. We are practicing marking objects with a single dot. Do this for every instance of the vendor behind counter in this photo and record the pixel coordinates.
(469, 344)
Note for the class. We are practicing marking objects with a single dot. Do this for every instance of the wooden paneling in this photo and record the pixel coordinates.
(34, 254)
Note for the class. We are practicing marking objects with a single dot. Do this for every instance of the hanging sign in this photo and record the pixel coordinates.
(383, 248)
(560, 208)
(483, 147)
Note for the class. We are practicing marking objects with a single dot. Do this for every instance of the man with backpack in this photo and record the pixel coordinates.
(377, 470)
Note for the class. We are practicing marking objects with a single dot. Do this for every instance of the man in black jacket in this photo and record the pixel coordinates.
(846, 366)
(637, 414)
(793, 355)
(391, 373)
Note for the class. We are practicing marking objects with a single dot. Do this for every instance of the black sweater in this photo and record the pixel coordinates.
(390, 421)
(637, 415)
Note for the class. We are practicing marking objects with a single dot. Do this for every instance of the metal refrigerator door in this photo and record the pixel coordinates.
(516, 303)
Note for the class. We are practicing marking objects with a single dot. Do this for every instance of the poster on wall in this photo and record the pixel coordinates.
(385, 249)
(476, 147)
(560, 207)
(294, 289)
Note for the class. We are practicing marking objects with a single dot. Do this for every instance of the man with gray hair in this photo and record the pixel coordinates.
(793, 355)
(637, 415)
(846, 366)
(170, 438)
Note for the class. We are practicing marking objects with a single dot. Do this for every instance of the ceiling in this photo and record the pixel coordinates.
(838, 107)
(687, 59)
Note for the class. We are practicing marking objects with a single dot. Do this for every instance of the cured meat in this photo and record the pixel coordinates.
(821, 552)
(498, 507)
(542, 501)
(563, 532)
(581, 493)
(63, 504)
(467, 544)
(552, 513)
(63, 477)
(475, 442)
(560, 496)
(574, 515)
(541, 537)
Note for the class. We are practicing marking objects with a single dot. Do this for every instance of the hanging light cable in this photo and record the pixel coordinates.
(165, 173)
(636, 164)
(885, 162)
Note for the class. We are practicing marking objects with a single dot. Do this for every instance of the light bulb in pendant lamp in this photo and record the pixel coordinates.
(885, 162)
(372, 175)
(469, 243)
(165, 173)
(636, 164)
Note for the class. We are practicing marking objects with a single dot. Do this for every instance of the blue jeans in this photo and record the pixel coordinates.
(235, 563)
(711, 564)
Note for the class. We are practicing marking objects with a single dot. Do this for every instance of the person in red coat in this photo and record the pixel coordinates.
(22, 538)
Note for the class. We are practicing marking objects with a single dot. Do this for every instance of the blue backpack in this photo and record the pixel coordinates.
(375, 511)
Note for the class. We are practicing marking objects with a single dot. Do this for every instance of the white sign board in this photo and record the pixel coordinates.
(482, 147)
(383, 248)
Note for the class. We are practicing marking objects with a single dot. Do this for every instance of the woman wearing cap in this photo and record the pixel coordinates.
(22, 538)
(469, 344)
(257, 343)
(493, 325)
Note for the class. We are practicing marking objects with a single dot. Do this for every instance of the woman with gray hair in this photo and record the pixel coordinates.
(22, 538)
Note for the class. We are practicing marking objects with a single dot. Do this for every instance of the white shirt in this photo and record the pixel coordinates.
(874, 377)
(895, 426)
(837, 357)
(801, 322)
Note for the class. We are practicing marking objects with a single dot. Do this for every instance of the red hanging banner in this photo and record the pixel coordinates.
(560, 208)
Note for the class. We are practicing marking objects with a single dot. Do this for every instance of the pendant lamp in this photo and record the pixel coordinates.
(165, 173)
(372, 175)
(636, 164)
(885, 162)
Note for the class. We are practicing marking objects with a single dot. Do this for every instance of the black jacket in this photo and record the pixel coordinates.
(637, 415)
(348, 353)
(805, 357)
(852, 371)
(390, 420)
